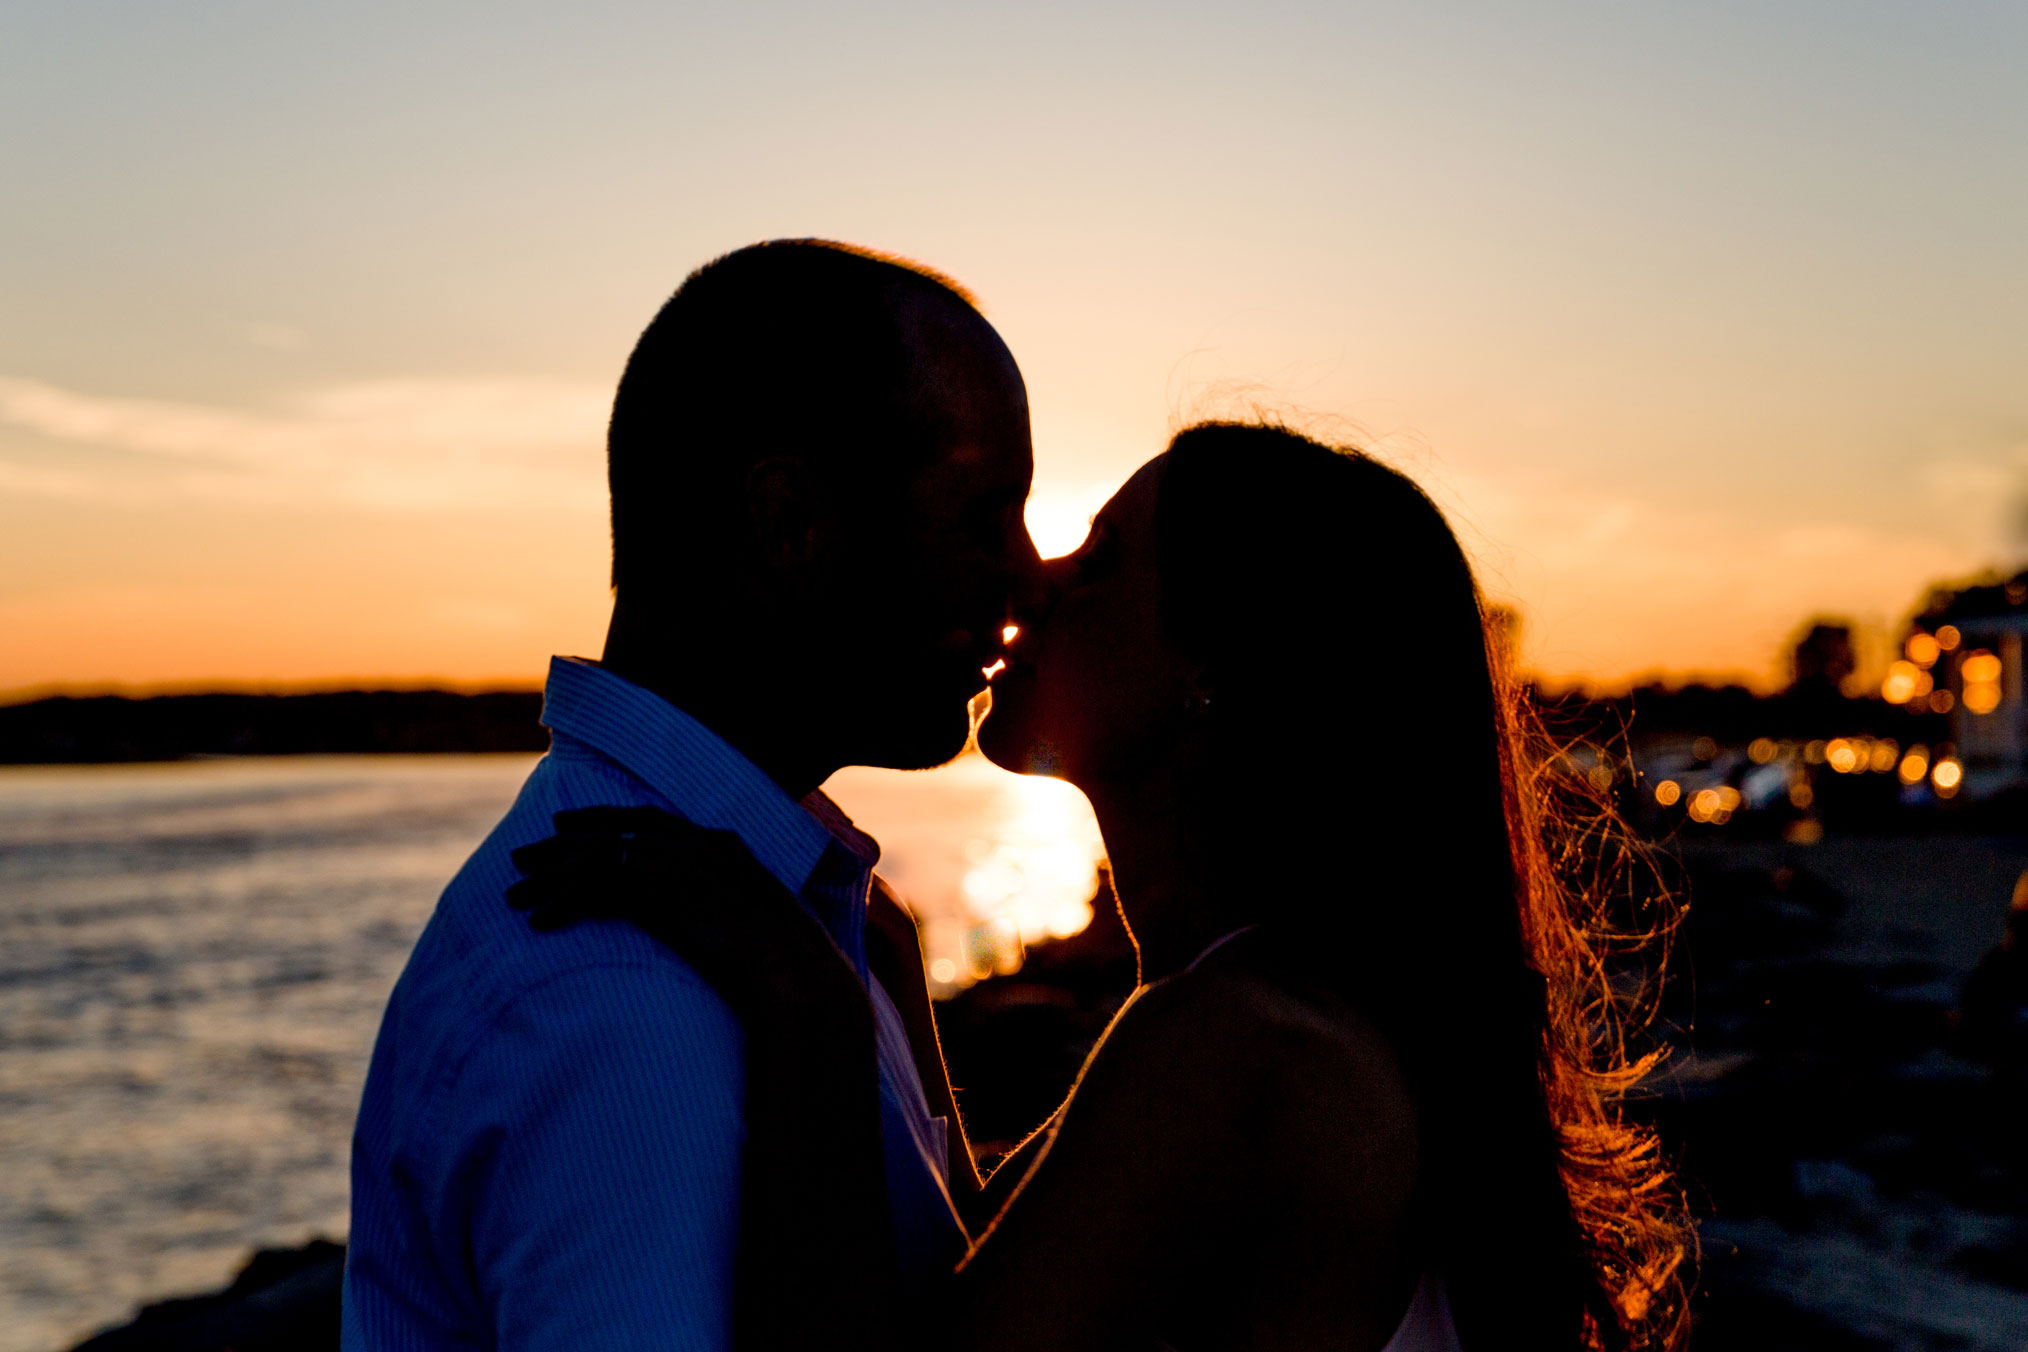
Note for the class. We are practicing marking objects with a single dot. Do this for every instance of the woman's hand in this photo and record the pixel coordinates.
(702, 893)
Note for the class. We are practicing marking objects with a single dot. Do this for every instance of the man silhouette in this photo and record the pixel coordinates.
(818, 458)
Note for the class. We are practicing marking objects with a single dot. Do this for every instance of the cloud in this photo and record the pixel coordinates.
(275, 337)
(396, 444)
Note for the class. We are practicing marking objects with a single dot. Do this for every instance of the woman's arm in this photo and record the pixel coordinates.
(1084, 1253)
(1011, 1167)
(1229, 1155)
(894, 954)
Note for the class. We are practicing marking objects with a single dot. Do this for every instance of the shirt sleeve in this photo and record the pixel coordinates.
(601, 1128)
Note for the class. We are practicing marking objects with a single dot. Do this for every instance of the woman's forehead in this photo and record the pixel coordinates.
(1135, 501)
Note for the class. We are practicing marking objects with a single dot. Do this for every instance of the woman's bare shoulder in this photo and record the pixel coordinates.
(1244, 1025)
(1316, 1084)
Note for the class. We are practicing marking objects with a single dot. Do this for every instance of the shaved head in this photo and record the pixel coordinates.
(859, 365)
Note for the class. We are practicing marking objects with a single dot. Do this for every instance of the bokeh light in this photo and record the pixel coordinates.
(1905, 681)
(1980, 666)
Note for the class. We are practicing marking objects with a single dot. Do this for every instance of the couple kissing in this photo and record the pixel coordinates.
(662, 1070)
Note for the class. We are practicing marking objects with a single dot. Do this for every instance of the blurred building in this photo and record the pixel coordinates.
(1822, 661)
(1963, 657)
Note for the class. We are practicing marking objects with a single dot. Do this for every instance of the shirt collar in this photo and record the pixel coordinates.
(701, 775)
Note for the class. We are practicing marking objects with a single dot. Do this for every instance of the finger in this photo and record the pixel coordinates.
(611, 821)
(563, 854)
(527, 894)
(585, 855)
(549, 919)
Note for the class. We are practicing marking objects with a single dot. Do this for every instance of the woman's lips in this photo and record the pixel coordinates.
(1015, 662)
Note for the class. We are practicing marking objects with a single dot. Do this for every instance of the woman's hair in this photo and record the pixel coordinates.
(1363, 722)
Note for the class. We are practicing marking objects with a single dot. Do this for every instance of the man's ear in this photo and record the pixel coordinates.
(794, 518)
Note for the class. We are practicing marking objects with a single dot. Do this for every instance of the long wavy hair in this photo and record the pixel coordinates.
(1382, 793)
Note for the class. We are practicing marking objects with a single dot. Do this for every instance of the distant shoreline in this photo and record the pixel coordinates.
(117, 729)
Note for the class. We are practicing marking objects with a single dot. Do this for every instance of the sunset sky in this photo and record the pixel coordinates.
(1699, 319)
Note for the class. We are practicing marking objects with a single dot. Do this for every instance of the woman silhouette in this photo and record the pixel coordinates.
(1364, 1100)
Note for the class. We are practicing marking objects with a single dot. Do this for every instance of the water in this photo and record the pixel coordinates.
(194, 957)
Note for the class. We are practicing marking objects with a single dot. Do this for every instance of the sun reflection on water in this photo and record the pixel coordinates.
(990, 861)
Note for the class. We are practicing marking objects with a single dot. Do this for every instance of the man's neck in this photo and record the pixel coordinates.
(754, 707)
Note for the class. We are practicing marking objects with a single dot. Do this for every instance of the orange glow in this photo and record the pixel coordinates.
(1667, 792)
(1706, 806)
(1762, 750)
(1915, 765)
(1941, 701)
(1947, 776)
(1842, 756)
(1900, 685)
(1923, 649)
(999, 665)
(1948, 637)
(1008, 631)
(1885, 755)
(1981, 672)
(1980, 666)
(1813, 753)
(1801, 794)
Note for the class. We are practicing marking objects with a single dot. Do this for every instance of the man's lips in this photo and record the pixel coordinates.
(1008, 660)
(965, 647)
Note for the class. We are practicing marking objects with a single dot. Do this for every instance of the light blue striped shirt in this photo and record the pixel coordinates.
(548, 1150)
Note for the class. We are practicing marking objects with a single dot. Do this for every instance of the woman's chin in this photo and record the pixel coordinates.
(997, 742)
(1022, 755)
(1005, 740)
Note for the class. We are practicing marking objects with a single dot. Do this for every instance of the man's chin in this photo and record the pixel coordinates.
(923, 743)
(1008, 738)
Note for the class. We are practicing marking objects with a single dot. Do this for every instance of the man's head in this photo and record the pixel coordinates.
(820, 455)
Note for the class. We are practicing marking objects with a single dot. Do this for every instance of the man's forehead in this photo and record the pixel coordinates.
(983, 464)
(964, 368)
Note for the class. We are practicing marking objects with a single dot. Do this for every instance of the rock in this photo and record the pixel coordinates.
(283, 1300)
